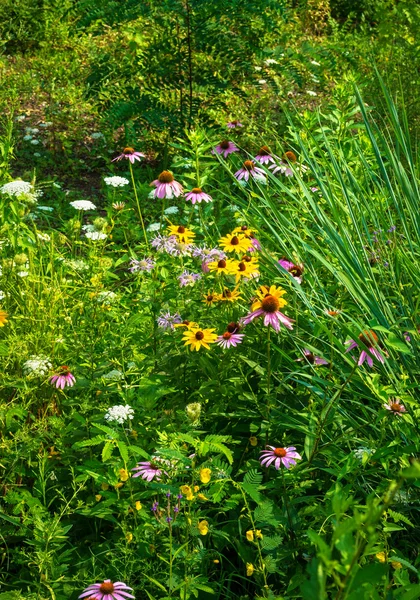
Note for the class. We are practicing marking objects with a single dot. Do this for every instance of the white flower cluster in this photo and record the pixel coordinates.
(119, 413)
(171, 210)
(114, 375)
(106, 298)
(16, 188)
(83, 205)
(77, 264)
(95, 236)
(37, 366)
(116, 181)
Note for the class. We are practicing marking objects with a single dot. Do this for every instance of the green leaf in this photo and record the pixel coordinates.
(394, 342)
(107, 451)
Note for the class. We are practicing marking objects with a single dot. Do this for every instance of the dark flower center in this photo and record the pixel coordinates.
(128, 150)
(368, 338)
(333, 313)
(196, 191)
(264, 151)
(281, 452)
(227, 294)
(296, 271)
(186, 322)
(249, 165)
(166, 177)
(234, 122)
(395, 407)
(224, 144)
(64, 370)
(242, 267)
(234, 241)
(227, 335)
(210, 298)
(199, 335)
(181, 229)
(310, 358)
(221, 264)
(107, 587)
(270, 304)
(290, 156)
(232, 327)
(244, 227)
(247, 258)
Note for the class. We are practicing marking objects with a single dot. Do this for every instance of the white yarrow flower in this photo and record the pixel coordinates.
(119, 414)
(95, 236)
(116, 181)
(171, 210)
(37, 366)
(16, 188)
(83, 205)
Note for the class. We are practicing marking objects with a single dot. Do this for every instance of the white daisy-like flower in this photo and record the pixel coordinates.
(119, 414)
(37, 366)
(116, 181)
(95, 236)
(16, 188)
(83, 205)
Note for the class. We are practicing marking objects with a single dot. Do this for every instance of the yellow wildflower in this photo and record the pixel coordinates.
(396, 564)
(203, 527)
(124, 475)
(202, 497)
(250, 536)
(196, 488)
(129, 537)
(187, 491)
(258, 534)
(98, 497)
(138, 505)
(104, 486)
(3, 318)
(205, 475)
(253, 440)
(381, 557)
(249, 569)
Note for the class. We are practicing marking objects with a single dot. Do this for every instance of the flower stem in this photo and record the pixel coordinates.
(138, 204)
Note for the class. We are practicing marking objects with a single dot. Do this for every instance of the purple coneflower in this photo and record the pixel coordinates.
(249, 169)
(187, 278)
(268, 303)
(395, 406)
(369, 339)
(146, 264)
(407, 336)
(264, 156)
(230, 337)
(63, 378)
(279, 456)
(131, 154)
(167, 321)
(107, 591)
(197, 195)
(148, 470)
(312, 358)
(225, 147)
(255, 245)
(295, 271)
(166, 186)
(234, 124)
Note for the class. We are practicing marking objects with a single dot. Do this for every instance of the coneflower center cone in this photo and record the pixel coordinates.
(181, 229)
(107, 587)
(128, 150)
(249, 165)
(396, 407)
(196, 191)
(227, 335)
(264, 151)
(224, 144)
(199, 335)
(290, 156)
(234, 241)
(166, 177)
(280, 452)
(270, 304)
(221, 264)
(232, 327)
(368, 338)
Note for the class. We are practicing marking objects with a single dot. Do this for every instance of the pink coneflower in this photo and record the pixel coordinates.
(369, 339)
(312, 358)
(255, 245)
(131, 154)
(268, 303)
(283, 168)
(234, 124)
(63, 378)
(225, 147)
(395, 406)
(148, 470)
(107, 591)
(264, 156)
(295, 271)
(249, 169)
(197, 195)
(279, 456)
(230, 337)
(166, 186)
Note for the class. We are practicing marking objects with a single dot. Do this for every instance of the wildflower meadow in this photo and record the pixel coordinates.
(209, 300)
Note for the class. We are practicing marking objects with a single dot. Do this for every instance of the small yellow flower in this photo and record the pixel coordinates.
(196, 488)
(250, 535)
(105, 486)
(187, 324)
(216, 561)
(205, 475)
(3, 318)
(118, 485)
(224, 265)
(98, 497)
(209, 298)
(229, 295)
(138, 505)
(203, 527)
(381, 557)
(195, 338)
(124, 474)
(258, 534)
(234, 243)
(396, 564)
(187, 491)
(245, 230)
(129, 537)
(182, 233)
(253, 440)
(249, 569)
(202, 497)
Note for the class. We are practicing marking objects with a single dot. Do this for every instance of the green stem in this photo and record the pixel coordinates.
(138, 204)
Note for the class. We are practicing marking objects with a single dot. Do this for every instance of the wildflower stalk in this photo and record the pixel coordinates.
(268, 381)
(138, 204)
(286, 503)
